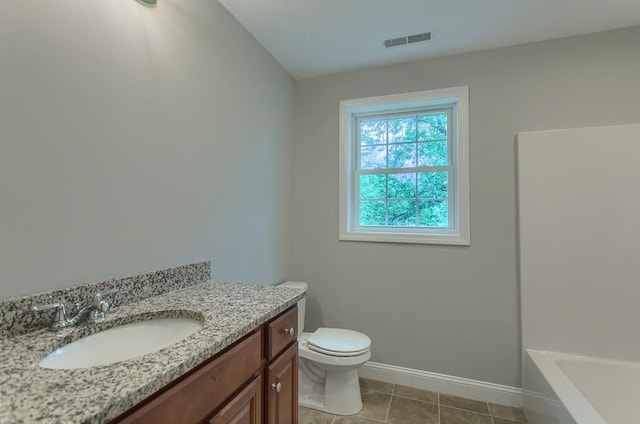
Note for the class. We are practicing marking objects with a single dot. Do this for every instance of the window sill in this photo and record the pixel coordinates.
(445, 239)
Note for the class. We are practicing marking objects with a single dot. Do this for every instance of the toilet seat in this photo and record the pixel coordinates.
(339, 342)
(304, 351)
(338, 354)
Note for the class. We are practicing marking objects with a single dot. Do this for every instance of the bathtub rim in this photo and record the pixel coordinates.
(580, 409)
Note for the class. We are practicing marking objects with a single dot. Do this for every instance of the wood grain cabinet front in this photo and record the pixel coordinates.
(281, 332)
(282, 388)
(192, 399)
(245, 408)
(230, 387)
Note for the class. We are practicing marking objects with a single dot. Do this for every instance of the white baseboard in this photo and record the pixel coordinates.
(458, 386)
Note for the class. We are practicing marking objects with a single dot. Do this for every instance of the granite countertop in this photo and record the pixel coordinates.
(29, 393)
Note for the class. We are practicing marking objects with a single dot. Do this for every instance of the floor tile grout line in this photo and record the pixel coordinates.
(393, 390)
(467, 410)
(439, 404)
(490, 414)
(515, 420)
(417, 400)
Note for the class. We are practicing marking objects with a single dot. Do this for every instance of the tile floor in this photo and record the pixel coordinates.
(396, 404)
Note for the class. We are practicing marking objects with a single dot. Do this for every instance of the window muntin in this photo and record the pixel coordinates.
(402, 169)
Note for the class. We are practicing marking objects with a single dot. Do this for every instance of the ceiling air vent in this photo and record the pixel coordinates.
(415, 38)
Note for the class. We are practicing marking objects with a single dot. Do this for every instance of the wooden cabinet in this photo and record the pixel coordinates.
(281, 332)
(250, 382)
(282, 388)
(194, 396)
(245, 408)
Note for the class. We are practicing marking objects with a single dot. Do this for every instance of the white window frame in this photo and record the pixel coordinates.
(457, 99)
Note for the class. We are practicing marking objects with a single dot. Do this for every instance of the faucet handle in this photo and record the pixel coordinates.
(47, 306)
(101, 305)
(60, 319)
(103, 294)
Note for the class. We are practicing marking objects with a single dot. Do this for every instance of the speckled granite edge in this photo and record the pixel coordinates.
(29, 393)
(17, 318)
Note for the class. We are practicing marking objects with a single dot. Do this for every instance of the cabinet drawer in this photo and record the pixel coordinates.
(193, 398)
(281, 332)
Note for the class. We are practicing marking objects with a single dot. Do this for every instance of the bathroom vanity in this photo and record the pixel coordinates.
(239, 367)
(229, 387)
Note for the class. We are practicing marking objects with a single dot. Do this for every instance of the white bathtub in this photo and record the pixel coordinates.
(571, 389)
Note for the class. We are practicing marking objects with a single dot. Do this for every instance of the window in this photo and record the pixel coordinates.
(404, 168)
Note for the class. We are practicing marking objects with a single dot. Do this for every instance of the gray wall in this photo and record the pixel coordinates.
(134, 139)
(451, 310)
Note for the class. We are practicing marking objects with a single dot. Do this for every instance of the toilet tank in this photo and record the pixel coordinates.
(301, 303)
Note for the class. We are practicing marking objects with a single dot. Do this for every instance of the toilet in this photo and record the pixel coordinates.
(328, 362)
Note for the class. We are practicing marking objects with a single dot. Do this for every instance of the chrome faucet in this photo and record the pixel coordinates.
(94, 311)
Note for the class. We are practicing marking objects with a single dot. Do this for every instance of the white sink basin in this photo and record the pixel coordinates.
(121, 343)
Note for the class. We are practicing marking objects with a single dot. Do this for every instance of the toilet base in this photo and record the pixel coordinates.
(339, 395)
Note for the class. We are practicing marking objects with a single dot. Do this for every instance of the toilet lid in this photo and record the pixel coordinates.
(339, 342)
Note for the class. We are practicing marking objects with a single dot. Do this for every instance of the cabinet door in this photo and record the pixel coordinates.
(200, 392)
(282, 388)
(245, 408)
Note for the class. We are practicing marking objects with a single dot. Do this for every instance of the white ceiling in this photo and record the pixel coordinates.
(317, 37)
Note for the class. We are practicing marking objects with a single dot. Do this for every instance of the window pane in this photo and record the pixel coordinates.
(402, 129)
(373, 132)
(433, 214)
(372, 186)
(402, 186)
(432, 127)
(373, 157)
(402, 156)
(433, 185)
(372, 212)
(433, 153)
(402, 212)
